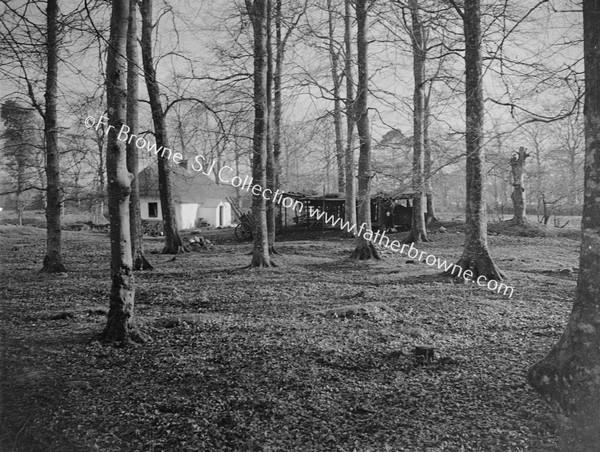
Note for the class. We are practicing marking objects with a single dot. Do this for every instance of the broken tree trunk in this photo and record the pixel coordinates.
(517, 167)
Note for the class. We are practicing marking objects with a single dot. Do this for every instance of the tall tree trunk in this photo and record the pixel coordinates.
(257, 10)
(120, 325)
(365, 249)
(101, 182)
(517, 168)
(137, 249)
(337, 102)
(271, 169)
(173, 243)
(53, 260)
(428, 169)
(476, 256)
(277, 99)
(569, 376)
(418, 231)
(350, 204)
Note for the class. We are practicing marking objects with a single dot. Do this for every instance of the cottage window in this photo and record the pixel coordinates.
(153, 210)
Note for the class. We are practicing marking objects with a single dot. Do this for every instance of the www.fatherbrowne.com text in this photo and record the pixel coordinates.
(226, 175)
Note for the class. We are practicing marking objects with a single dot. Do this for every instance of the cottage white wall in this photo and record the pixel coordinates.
(186, 215)
(145, 209)
(227, 214)
(211, 214)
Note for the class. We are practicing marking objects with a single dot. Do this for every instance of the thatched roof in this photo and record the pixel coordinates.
(189, 186)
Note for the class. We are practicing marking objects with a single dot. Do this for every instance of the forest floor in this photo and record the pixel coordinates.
(247, 360)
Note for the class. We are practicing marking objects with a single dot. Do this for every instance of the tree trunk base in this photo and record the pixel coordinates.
(141, 263)
(176, 249)
(261, 264)
(52, 266)
(365, 251)
(273, 250)
(122, 334)
(516, 221)
(481, 266)
(570, 384)
(416, 238)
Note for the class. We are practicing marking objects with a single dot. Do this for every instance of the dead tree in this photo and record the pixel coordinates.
(517, 167)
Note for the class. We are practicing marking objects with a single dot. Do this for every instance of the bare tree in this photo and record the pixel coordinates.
(119, 325)
(334, 58)
(569, 376)
(173, 243)
(139, 258)
(53, 260)
(418, 231)
(476, 256)
(350, 184)
(19, 151)
(365, 249)
(271, 167)
(257, 10)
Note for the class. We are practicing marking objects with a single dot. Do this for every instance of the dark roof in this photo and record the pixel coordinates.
(189, 186)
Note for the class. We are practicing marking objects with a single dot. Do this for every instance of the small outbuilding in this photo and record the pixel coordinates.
(199, 200)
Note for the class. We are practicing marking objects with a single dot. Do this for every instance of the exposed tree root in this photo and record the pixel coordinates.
(122, 335)
(262, 264)
(365, 250)
(177, 249)
(568, 382)
(273, 250)
(420, 238)
(479, 266)
(141, 263)
(52, 266)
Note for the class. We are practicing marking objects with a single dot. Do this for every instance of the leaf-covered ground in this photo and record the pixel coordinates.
(244, 360)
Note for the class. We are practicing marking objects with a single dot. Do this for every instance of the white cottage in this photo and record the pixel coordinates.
(198, 199)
